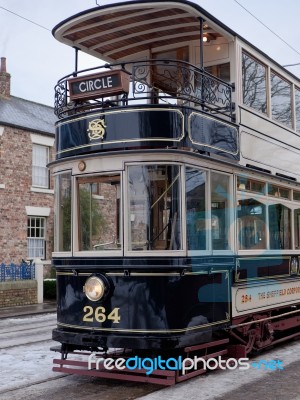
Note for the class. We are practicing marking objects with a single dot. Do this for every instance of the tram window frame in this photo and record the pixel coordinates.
(275, 190)
(216, 224)
(115, 245)
(59, 224)
(295, 195)
(194, 229)
(272, 201)
(246, 184)
(296, 220)
(228, 217)
(277, 92)
(297, 108)
(278, 238)
(250, 101)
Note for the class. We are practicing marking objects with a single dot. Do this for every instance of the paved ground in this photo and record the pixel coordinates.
(17, 311)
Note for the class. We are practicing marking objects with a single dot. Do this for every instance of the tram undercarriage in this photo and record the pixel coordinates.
(247, 336)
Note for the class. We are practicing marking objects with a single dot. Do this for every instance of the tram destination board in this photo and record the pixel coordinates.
(109, 83)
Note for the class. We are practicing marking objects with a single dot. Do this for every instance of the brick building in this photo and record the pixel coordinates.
(26, 188)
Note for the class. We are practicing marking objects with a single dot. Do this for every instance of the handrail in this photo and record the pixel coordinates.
(154, 81)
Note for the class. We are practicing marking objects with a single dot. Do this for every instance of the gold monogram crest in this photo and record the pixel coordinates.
(96, 129)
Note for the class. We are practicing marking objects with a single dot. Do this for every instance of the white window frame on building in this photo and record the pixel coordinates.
(41, 146)
(36, 237)
(40, 172)
(36, 231)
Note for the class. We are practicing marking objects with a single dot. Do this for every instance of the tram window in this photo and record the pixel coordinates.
(281, 100)
(196, 216)
(297, 108)
(279, 227)
(254, 84)
(296, 195)
(99, 213)
(63, 212)
(221, 71)
(251, 224)
(297, 228)
(277, 191)
(250, 184)
(154, 207)
(220, 211)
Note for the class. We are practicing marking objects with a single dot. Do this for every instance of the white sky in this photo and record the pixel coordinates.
(36, 60)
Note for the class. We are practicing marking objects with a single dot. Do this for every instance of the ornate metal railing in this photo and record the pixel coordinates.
(14, 272)
(154, 82)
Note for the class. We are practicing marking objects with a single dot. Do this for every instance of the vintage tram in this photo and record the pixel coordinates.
(177, 189)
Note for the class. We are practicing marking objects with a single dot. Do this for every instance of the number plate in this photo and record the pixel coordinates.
(100, 314)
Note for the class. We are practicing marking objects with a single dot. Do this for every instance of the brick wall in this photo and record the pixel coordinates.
(17, 293)
(16, 194)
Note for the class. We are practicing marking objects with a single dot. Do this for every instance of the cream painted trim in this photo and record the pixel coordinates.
(38, 211)
(42, 140)
(1, 130)
(41, 190)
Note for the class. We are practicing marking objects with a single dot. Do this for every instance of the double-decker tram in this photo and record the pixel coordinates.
(177, 191)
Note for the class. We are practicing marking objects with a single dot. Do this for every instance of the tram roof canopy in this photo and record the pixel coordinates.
(121, 30)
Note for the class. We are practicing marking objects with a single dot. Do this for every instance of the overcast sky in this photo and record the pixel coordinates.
(36, 60)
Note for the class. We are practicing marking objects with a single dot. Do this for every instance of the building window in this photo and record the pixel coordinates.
(36, 237)
(254, 84)
(40, 172)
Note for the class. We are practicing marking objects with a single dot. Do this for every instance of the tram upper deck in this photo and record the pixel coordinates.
(174, 76)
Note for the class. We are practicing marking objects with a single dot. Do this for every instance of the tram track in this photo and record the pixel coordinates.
(24, 344)
(17, 331)
(67, 386)
(22, 330)
(21, 387)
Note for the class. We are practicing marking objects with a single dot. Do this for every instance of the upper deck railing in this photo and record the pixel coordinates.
(152, 82)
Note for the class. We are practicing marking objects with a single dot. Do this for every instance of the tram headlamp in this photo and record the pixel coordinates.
(94, 288)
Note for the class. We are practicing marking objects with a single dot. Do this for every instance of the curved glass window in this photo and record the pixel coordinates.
(154, 208)
(63, 212)
(251, 224)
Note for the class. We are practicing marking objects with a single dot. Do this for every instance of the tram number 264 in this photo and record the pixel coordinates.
(100, 314)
